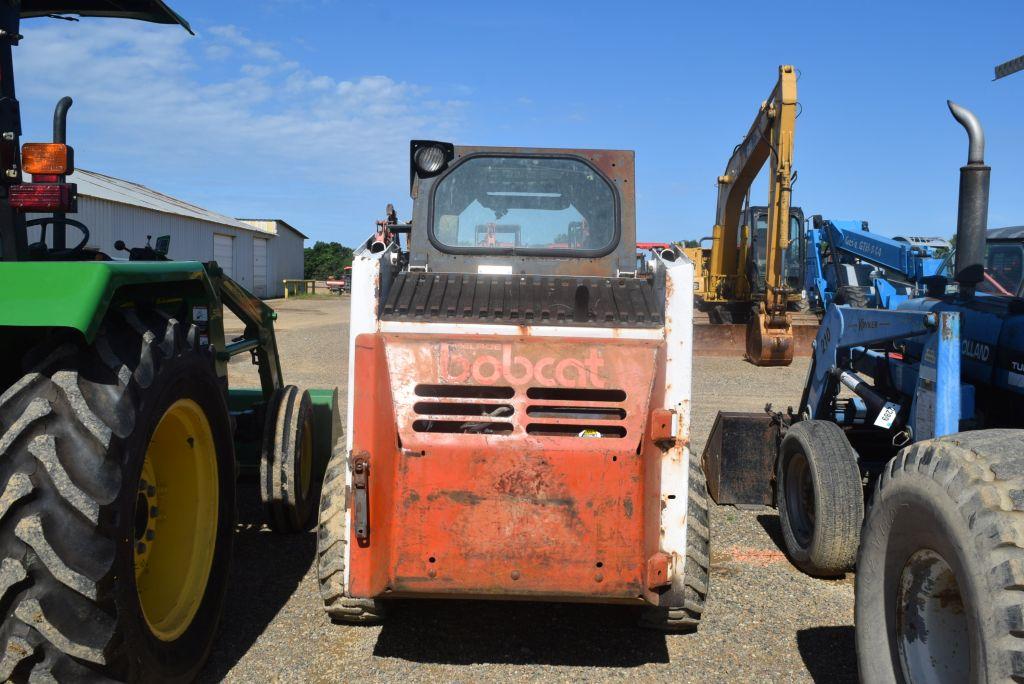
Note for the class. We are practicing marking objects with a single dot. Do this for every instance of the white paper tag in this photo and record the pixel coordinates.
(887, 415)
(494, 269)
(200, 314)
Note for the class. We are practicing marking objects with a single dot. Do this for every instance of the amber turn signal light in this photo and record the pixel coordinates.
(56, 159)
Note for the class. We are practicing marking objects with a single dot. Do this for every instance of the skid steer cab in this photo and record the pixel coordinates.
(519, 399)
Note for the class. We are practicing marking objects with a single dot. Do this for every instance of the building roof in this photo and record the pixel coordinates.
(1009, 233)
(262, 224)
(100, 186)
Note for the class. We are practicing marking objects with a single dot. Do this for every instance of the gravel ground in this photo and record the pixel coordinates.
(764, 620)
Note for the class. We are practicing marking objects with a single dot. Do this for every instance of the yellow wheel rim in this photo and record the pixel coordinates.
(306, 457)
(176, 519)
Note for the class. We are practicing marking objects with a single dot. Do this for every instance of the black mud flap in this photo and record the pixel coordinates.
(739, 458)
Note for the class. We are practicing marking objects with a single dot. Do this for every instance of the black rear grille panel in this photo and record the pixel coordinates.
(522, 299)
(446, 408)
(462, 427)
(464, 391)
(578, 413)
(583, 431)
(575, 394)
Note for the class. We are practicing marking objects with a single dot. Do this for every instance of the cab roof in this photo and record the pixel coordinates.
(144, 10)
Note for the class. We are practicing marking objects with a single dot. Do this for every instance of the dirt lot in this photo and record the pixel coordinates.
(764, 620)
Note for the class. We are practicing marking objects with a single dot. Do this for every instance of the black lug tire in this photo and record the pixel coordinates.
(961, 496)
(289, 506)
(827, 545)
(852, 295)
(332, 542)
(73, 435)
(686, 616)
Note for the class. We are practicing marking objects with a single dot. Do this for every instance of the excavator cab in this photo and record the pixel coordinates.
(792, 256)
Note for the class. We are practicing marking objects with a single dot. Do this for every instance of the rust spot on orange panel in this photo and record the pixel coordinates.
(527, 479)
(458, 496)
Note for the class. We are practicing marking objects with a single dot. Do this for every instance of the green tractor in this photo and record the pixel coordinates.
(120, 442)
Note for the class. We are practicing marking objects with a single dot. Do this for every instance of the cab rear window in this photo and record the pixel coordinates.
(524, 204)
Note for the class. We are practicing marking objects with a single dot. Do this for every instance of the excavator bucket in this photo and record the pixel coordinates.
(730, 339)
(769, 345)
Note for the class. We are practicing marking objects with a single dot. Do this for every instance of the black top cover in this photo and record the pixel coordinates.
(144, 10)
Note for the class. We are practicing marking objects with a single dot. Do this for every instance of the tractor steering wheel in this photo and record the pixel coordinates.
(46, 220)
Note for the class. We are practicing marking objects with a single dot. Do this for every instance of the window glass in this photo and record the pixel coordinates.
(1004, 269)
(529, 203)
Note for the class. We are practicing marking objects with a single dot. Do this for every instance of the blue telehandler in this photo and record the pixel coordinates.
(912, 414)
(845, 263)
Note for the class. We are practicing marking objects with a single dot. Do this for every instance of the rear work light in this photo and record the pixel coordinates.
(55, 159)
(39, 197)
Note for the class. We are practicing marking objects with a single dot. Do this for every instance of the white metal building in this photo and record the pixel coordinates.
(259, 254)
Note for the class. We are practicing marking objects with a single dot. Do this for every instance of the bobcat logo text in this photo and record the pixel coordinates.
(461, 364)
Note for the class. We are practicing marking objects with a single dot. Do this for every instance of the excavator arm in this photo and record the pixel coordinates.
(769, 332)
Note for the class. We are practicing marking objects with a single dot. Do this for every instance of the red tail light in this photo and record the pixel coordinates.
(41, 197)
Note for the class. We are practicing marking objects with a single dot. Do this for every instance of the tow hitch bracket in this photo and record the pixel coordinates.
(360, 477)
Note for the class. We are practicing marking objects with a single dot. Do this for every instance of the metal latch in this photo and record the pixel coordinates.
(361, 502)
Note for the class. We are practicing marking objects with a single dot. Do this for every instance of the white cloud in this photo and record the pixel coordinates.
(154, 98)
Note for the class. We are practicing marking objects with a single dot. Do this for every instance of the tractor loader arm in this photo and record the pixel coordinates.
(769, 335)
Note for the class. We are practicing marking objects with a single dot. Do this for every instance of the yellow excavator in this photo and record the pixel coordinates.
(742, 274)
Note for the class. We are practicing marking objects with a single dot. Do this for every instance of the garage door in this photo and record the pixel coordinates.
(223, 252)
(259, 267)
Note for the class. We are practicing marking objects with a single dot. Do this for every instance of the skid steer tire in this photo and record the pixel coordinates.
(820, 498)
(332, 547)
(289, 476)
(685, 617)
(940, 572)
(79, 432)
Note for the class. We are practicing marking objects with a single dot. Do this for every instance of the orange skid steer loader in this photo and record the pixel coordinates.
(518, 411)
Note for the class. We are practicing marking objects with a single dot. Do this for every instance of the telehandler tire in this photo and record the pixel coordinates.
(332, 543)
(289, 476)
(820, 498)
(853, 296)
(940, 572)
(117, 507)
(685, 617)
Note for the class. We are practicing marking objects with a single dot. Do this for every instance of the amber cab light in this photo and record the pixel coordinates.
(56, 159)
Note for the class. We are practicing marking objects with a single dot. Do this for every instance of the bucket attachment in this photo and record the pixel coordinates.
(739, 458)
(769, 339)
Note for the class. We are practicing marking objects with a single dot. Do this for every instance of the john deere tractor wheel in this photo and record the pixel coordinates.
(332, 546)
(117, 507)
(693, 588)
(940, 571)
(289, 476)
(820, 498)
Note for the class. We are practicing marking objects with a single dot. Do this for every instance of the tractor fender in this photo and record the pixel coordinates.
(77, 294)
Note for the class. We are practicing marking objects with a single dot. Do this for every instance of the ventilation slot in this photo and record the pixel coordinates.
(462, 427)
(437, 408)
(582, 431)
(573, 394)
(581, 413)
(464, 391)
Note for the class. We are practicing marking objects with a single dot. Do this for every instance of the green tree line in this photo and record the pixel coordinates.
(325, 259)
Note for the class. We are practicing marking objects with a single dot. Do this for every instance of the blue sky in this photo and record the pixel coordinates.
(302, 109)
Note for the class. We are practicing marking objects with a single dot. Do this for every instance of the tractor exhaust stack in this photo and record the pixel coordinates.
(972, 213)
